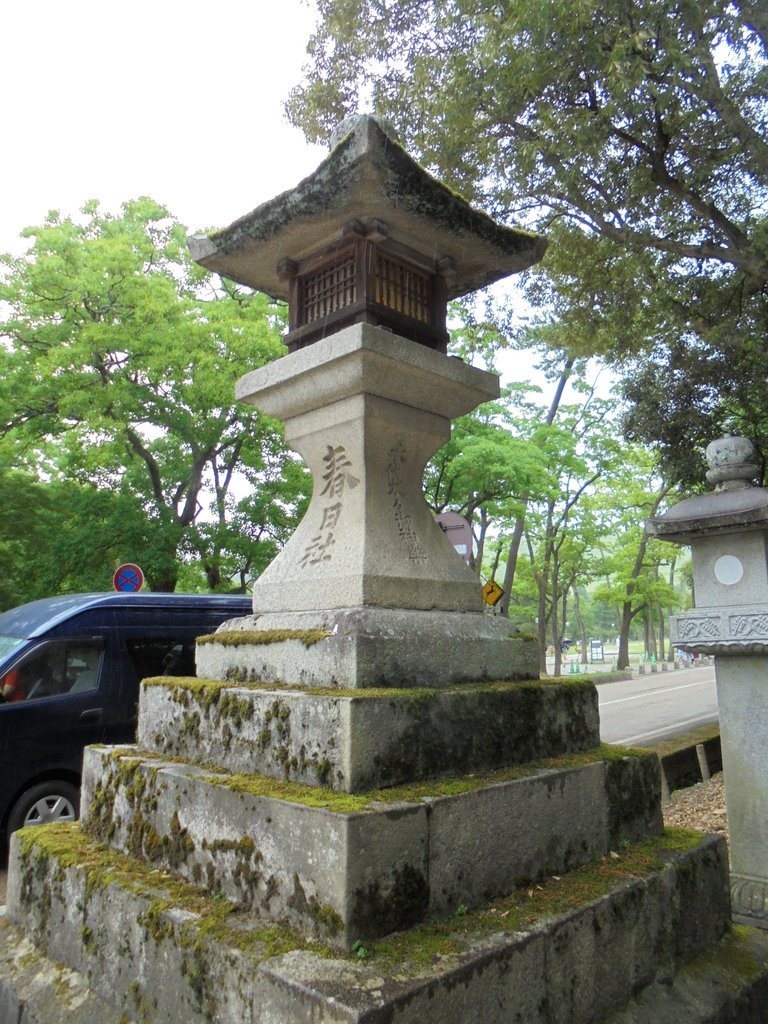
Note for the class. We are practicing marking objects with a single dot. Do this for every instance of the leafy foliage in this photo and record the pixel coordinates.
(117, 375)
(633, 133)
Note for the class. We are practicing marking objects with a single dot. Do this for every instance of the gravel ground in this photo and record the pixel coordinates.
(701, 806)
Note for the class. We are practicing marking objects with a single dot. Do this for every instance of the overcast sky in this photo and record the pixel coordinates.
(180, 101)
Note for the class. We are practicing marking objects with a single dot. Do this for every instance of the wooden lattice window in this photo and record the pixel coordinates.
(328, 290)
(365, 278)
(402, 289)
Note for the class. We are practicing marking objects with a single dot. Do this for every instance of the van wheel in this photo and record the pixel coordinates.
(45, 803)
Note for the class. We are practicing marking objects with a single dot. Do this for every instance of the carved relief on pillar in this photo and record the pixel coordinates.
(751, 626)
(749, 899)
(737, 631)
(698, 628)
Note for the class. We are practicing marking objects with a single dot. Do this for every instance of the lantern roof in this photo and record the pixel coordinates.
(735, 505)
(368, 180)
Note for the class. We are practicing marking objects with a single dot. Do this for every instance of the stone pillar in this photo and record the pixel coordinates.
(728, 534)
(366, 410)
(368, 568)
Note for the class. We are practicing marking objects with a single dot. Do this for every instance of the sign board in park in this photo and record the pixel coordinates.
(128, 579)
(596, 650)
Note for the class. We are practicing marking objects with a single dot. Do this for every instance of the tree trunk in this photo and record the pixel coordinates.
(164, 581)
(556, 637)
(543, 622)
(582, 627)
(626, 610)
(652, 637)
(672, 566)
(622, 660)
(511, 566)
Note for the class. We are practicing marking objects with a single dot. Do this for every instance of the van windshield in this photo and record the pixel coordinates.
(9, 644)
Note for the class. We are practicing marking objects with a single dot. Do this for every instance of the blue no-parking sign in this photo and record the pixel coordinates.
(129, 578)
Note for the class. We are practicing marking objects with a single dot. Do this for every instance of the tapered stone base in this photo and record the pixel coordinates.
(366, 409)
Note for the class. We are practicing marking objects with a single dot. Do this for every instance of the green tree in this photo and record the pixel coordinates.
(117, 373)
(632, 133)
(483, 471)
(580, 448)
(59, 536)
(631, 556)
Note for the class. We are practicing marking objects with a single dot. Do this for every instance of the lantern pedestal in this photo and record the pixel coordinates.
(368, 568)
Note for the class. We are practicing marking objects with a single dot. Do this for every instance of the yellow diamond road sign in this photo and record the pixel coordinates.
(492, 592)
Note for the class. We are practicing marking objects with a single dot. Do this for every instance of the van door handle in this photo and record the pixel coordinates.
(92, 713)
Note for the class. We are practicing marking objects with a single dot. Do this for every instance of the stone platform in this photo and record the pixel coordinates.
(362, 739)
(575, 948)
(353, 648)
(346, 869)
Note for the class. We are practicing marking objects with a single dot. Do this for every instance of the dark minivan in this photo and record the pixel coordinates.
(69, 676)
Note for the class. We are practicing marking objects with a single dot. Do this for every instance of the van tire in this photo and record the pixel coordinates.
(46, 802)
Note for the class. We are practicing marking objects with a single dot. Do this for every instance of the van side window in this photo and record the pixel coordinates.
(171, 657)
(53, 669)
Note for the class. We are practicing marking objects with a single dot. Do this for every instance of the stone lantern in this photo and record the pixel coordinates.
(367, 251)
(369, 753)
(728, 534)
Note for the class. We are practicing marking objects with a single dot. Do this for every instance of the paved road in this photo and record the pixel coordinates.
(657, 706)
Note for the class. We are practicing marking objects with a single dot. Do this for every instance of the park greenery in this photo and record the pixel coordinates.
(121, 439)
(631, 132)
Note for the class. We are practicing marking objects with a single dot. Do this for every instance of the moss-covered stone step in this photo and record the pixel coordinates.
(345, 867)
(362, 739)
(573, 948)
(369, 646)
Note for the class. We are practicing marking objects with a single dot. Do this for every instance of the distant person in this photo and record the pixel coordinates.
(13, 687)
(34, 679)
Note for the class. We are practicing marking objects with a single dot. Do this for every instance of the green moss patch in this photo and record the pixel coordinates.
(527, 906)
(352, 803)
(252, 637)
(207, 690)
(67, 847)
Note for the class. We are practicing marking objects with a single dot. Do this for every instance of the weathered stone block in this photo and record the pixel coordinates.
(364, 740)
(342, 867)
(159, 949)
(633, 785)
(358, 647)
(483, 851)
